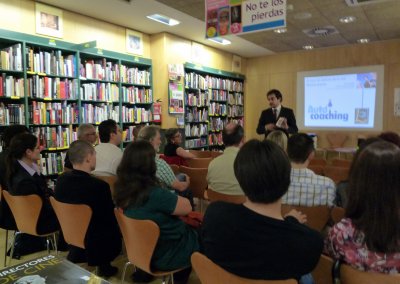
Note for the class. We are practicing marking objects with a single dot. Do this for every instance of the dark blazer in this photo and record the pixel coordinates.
(268, 117)
(22, 183)
(103, 238)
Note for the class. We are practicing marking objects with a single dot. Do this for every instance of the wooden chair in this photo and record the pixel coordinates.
(199, 162)
(350, 275)
(201, 154)
(318, 162)
(341, 163)
(211, 273)
(317, 216)
(318, 170)
(26, 210)
(337, 214)
(198, 181)
(213, 195)
(74, 220)
(175, 169)
(337, 174)
(110, 180)
(322, 273)
(140, 237)
(215, 154)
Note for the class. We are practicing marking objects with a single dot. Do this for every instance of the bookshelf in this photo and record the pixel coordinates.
(212, 99)
(52, 86)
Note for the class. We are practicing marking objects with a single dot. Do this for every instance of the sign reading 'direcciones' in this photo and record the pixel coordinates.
(231, 17)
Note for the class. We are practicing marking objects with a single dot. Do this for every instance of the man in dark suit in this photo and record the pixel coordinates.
(277, 116)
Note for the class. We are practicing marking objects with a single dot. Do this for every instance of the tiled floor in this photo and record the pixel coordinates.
(119, 262)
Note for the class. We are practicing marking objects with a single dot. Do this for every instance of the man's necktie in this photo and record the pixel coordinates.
(274, 112)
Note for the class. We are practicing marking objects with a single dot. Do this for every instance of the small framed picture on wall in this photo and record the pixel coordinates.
(49, 21)
(134, 42)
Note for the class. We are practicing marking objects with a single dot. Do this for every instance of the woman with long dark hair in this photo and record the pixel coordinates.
(138, 192)
(368, 238)
(24, 178)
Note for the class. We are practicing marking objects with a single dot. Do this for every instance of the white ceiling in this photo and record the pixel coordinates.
(379, 20)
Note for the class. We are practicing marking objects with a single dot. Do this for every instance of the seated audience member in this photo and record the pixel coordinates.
(24, 178)
(368, 238)
(253, 240)
(306, 188)
(391, 137)
(279, 137)
(86, 132)
(108, 153)
(220, 176)
(139, 193)
(103, 239)
(173, 152)
(164, 172)
(7, 221)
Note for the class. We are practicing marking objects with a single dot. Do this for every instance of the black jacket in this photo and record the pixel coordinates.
(268, 117)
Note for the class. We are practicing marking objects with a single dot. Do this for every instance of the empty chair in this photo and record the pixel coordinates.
(26, 210)
(318, 170)
(217, 196)
(201, 154)
(317, 216)
(199, 162)
(210, 273)
(337, 174)
(322, 273)
(350, 275)
(74, 221)
(341, 163)
(337, 214)
(198, 181)
(110, 180)
(140, 237)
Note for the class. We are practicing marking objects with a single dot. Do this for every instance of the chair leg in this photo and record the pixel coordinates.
(5, 249)
(55, 243)
(12, 247)
(124, 271)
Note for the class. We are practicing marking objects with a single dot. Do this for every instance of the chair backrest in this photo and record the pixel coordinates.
(322, 273)
(337, 174)
(341, 163)
(140, 237)
(336, 139)
(215, 154)
(217, 196)
(175, 169)
(211, 273)
(337, 214)
(110, 180)
(198, 180)
(318, 162)
(26, 211)
(201, 154)
(318, 170)
(317, 216)
(350, 275)
(74, 221)
(199, 162)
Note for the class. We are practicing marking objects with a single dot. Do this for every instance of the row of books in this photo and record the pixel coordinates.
(135, 76)
(100, 92)
(197, 99)
(217, 95)
(196, 143)
(235, 110)
(11, 58)
(217, 109)
(215, 139)
(135, 95)
(50, 62)
(239, 121)
(196, 130)
(197, 81)
(12, 114)
(53, 113)
(217, 124)
(100, 69)
(196, 115)
(135, 115)
(11, 86)
(97, 113)
(235, 99)
(55, 136)
(52, 163)
(52, 88)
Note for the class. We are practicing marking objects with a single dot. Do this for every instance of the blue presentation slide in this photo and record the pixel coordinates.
(346, 100)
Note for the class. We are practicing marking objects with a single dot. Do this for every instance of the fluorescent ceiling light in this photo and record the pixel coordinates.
(363, 40)
(308, 47)
(280, 31)
(163, 20)
(220, 40)
(347, 19)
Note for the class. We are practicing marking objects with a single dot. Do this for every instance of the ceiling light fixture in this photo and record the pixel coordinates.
(308, 47)
(347, 19)
(219, 40)
(163, 20)
(363, 40)
(280, 31)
